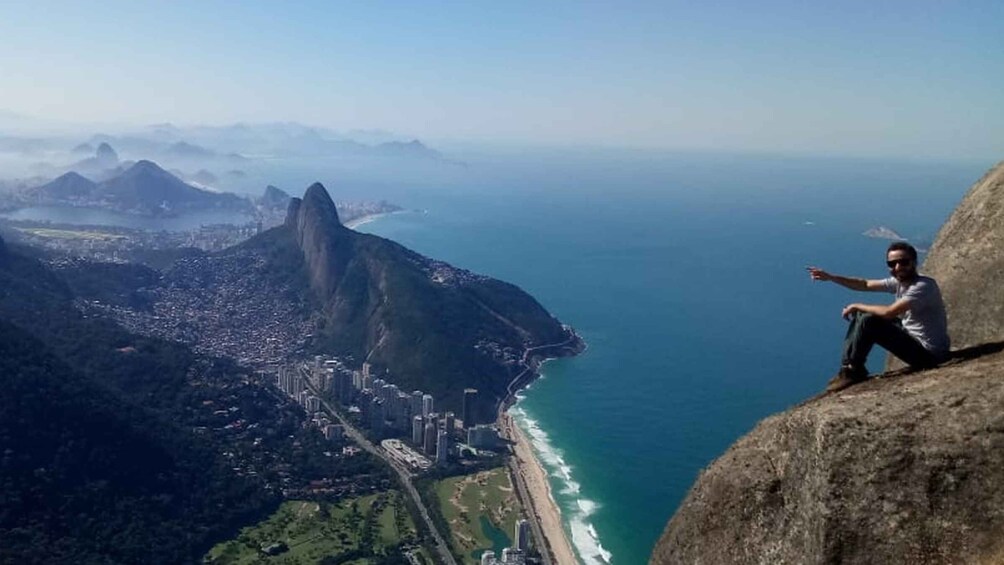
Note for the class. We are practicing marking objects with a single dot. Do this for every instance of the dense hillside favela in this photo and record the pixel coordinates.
(293, 389)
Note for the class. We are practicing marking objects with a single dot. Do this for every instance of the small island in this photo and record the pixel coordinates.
(883, 232)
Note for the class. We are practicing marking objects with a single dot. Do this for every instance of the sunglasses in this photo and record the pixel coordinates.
(905, 262)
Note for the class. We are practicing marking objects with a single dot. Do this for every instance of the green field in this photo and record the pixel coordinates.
(360, 531)
(482, 511)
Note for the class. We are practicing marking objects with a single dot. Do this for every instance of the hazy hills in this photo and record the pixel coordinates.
(143, 188)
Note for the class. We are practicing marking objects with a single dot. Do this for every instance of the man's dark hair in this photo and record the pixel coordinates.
(902, 246)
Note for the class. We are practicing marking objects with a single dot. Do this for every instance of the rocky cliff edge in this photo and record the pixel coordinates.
(905, 468)
(908, 468)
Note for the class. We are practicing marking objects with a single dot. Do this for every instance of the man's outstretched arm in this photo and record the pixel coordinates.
(852, 283)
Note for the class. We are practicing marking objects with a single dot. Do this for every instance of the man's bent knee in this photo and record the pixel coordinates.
(869, 319)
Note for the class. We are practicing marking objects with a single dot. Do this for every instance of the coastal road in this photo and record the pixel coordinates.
(441, 548)
(506, 429)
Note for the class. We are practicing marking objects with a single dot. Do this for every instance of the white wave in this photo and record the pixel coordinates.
(571, 487)
(584, 537)
(587, 507)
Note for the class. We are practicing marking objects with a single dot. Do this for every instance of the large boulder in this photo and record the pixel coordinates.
(900, 469)
(967, 259)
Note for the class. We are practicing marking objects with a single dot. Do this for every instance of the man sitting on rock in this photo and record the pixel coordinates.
(913, 328)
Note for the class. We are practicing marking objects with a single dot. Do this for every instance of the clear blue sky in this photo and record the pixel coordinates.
(884, 78)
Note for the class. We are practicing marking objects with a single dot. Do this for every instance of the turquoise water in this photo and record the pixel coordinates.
(498, 538)
(687, 281)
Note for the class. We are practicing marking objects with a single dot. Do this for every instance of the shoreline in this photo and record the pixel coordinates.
(525, 469)
(354, 223)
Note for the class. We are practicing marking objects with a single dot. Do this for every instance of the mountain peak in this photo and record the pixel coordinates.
(67, 185)
(318, 203)
(145, 165)
(321, 237)
(105, 153)
(274, 198)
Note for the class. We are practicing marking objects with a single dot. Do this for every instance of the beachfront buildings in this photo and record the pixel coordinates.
(510, 556)
(522, 535)
(470, 401)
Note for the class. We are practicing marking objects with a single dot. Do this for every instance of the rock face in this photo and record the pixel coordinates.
(904, 469)
(967, 259)
(907, 468)
(326, 244)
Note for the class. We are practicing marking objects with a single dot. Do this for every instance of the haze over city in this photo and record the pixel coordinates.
(893, 79)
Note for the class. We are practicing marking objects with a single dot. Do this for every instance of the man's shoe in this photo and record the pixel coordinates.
(846, 377)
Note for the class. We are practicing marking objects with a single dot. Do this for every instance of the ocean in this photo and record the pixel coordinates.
(686, 276)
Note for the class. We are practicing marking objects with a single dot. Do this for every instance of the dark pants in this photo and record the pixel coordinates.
(867, 330)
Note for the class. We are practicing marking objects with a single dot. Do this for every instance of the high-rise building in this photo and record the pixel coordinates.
(442, 447)
(416, 403)
(449, 423)
(482, 437)
(341, 386)
(522, 535)
(470, 405)
(417, 431)
(402, 410)
(313, 404)
(377, 416)
(387, 392)
(430, 438)
(427, 405)
(512, 556)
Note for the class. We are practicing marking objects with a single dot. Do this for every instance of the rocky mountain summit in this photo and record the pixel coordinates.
(905, 468)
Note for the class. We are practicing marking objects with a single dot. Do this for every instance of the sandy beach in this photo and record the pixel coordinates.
(353, 224)
(531, 481)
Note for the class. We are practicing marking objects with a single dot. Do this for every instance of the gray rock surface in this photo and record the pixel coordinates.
(899, 469)
(967, 259)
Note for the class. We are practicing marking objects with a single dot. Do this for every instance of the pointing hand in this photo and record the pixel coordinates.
(818, 274)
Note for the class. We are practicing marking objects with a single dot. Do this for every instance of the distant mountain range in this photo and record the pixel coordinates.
(143, 188)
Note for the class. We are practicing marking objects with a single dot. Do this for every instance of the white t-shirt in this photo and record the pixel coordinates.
(925, 320)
